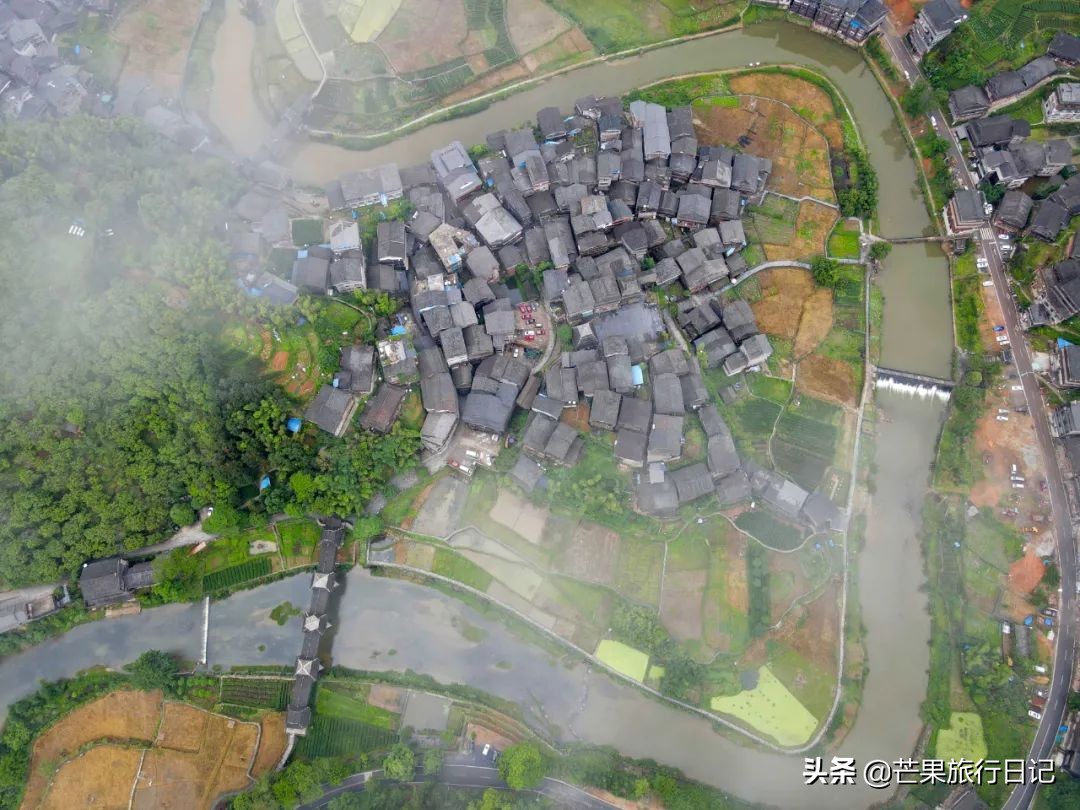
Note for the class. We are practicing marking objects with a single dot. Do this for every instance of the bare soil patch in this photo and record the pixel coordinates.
(903, 13)
(562, 49)
(424, 33)
(101, 778)
(386, 697)
(271, 743)
(816, 322)
(808, 100)
(784, 291)
(833, 380)
(791, 307)
(577, 417)
(736, 591)
(177, 780)
(680, 610)
(786, 581)
(813, 630)
(513, 72)
(156, 33)
(182, 727)
(196, 755)
(519, 516)
(280, 361)
(532, 23)
(1026, 573)
(591, 555)
(125, 715)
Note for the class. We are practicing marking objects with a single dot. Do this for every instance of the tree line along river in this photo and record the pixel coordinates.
(392, 625)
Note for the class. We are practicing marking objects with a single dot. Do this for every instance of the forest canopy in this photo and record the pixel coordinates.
(121, 409)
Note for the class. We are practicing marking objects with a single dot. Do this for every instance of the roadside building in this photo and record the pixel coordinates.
(968, 102)
(935, 21)
(966, 212)
(1013, 211)
(112, 581)
(1062, 106)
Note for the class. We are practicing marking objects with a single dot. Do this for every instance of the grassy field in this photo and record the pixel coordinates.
(805, 443)
(844, 240)
(771, 709)
(622, 658)
(769, 529)
(963, 739)
(772, 222)
(333, 703)
(456, 567)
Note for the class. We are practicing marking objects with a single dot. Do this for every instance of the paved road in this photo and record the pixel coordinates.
(472, 771)
(989, 246)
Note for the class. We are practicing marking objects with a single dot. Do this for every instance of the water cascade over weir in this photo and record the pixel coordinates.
(913, 389)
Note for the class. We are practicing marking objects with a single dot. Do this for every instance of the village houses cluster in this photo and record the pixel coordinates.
(595, 208)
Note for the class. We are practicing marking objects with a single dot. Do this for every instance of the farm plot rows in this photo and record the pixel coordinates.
(269, 694)
(237, 574)
(335, 737)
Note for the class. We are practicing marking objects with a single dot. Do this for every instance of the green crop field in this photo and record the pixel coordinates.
(963, 739)
(336, 737)
(844, 241)
(307, 231)
(769, 529)
(772, 388)
(773, 222)
(456, 567)
(262, 694)
(804, 447)
(237, 574)
(771, 709)
(332, 703)
(622, 658)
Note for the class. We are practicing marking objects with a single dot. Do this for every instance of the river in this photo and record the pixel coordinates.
(386, 624)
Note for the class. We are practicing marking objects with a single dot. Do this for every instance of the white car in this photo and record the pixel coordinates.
(933, 121)
(981, 262)
(988, 283)
(1002, 338)
(486, 751)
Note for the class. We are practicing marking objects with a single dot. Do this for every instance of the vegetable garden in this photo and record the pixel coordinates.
(237, 574)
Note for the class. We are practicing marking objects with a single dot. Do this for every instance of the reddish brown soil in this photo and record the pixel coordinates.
(1026, 573)
(903, 12)
(825, 377)
(280, 361)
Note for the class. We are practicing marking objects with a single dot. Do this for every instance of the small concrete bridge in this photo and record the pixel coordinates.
(907, 240)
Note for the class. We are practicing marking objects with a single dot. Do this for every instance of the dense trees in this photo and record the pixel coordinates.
(825, 271)
(154, 669)
(522, 766)
(859, 199)
(400, 763)
(121, 409)
(108, 413)
(918, 99)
